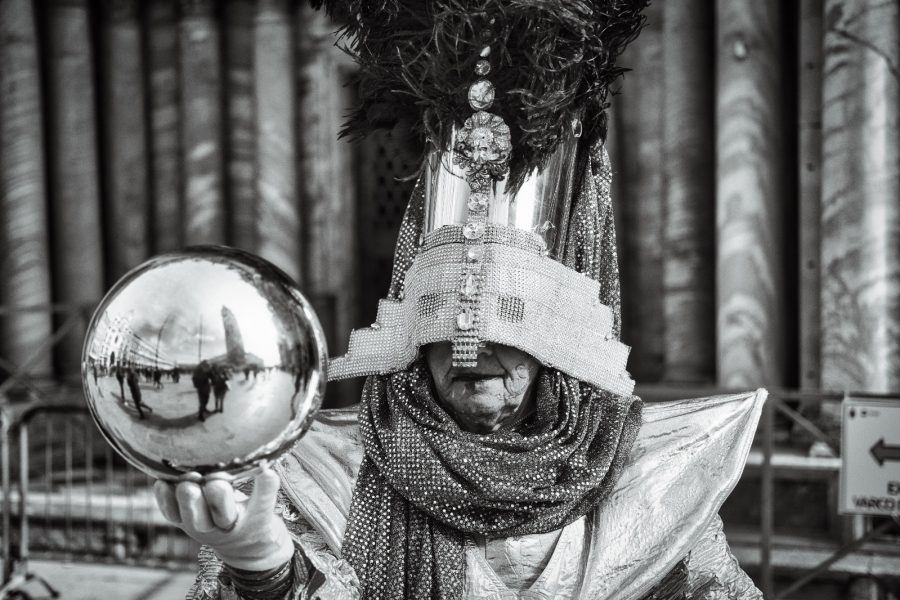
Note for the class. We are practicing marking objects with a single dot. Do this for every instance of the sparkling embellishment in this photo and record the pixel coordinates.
(481, 94)
(576, 128)
(478, 201)
(473, 231)
(465, 320)
(484, 146)
(375, 326)
(482, 67)
(470, 285)
(475, 253)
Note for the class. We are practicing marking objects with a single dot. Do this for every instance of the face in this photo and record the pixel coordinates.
(483, 398)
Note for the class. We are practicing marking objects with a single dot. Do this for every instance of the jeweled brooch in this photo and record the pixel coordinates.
(483, 146)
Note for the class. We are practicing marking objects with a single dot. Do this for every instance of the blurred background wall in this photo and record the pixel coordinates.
(756, 148)
(759, 194)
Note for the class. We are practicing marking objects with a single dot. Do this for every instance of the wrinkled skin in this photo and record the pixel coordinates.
(495, 393)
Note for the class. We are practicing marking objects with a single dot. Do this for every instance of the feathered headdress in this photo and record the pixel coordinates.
(552, 61)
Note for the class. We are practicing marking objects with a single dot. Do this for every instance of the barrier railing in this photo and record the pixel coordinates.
(68, 496)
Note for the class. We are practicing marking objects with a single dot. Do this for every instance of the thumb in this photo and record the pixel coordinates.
(265, 487)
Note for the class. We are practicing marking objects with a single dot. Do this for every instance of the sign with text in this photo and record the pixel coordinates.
(870, 457)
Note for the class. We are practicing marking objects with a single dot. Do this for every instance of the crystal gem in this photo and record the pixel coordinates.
(470, 285)
(475, 253)
(482, 67)
(478, 201)
(481, 94)
(465, 320)
(576, 128)
(375, 326)
(473, 231)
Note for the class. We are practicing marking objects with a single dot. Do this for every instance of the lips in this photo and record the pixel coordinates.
(475, 375)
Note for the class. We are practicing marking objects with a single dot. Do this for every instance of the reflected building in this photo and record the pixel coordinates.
(235, 355)
(234, 342)
(117, 340)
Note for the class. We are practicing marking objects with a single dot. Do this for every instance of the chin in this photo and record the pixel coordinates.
(484, 411)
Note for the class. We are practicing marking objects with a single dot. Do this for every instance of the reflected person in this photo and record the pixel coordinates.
(219, 379)
(200, 378)
(120, 377)
(134, 386)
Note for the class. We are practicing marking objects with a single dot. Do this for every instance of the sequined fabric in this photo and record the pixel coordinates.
(564, 313)
(521, 298)
(424, 482)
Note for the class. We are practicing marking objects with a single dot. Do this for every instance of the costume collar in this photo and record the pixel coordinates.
(687, 458)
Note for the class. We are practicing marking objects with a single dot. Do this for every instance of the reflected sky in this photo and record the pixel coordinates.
(190, 327)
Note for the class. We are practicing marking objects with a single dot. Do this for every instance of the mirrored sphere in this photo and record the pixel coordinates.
(201, 361)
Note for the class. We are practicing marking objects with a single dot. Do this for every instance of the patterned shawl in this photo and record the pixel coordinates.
(424, 482)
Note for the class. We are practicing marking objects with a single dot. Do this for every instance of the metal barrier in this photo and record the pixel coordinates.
(68, 496)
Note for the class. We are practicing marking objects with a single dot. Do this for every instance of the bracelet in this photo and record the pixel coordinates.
(272, 584)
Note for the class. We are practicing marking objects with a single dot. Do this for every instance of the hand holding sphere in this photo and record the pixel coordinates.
(244, 531)
(199, 368)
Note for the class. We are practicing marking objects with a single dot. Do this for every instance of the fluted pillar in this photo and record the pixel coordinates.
(751, 193)
(688, 258)
(240, 155)
(73, 169)
(327, 185)
(276, 127)
(24, 259)
(201, 124)
(125, 148)
(861, 196)
(639, 111)
(165, 123)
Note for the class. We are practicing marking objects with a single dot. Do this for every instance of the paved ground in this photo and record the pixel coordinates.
(253, 410)
(79, 581)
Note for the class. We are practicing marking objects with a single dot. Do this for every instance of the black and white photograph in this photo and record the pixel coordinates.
(450, 299)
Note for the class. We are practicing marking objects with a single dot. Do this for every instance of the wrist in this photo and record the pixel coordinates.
(271, 584)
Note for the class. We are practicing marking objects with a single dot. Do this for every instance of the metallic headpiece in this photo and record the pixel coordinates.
(488, 263)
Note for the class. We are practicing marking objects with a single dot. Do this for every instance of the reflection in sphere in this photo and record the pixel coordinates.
(202, 361)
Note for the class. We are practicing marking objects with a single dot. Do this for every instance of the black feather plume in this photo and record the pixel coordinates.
(552, 61)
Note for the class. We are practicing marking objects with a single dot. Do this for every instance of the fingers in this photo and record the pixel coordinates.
(192, 506)
(220, 501)
(265, 486)
(165, 499)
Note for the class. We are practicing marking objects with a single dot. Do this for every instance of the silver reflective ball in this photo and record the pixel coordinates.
(203, 361)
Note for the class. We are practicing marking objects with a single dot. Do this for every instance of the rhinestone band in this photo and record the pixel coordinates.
(483, 150)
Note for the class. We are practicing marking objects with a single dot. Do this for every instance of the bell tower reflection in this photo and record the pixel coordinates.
(234, 342)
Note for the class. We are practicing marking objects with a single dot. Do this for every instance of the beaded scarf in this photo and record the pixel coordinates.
(424, 482)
